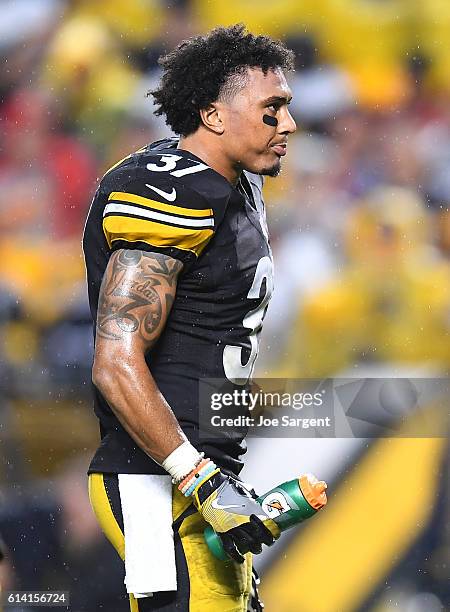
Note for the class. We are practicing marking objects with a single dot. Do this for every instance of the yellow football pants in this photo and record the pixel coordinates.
(204, 583)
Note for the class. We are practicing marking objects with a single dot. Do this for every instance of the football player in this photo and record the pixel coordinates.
(179, 274)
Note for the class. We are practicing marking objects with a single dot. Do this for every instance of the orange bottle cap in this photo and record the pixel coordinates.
(313, 490)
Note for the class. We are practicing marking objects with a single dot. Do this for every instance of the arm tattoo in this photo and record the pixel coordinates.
(137, 293)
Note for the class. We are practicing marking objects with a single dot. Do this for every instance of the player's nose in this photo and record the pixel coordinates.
(287, 124)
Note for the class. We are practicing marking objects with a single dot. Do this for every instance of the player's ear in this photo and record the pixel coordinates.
(212, 118)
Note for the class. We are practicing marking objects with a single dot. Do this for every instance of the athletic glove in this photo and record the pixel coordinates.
(234, 515)
(225, 503)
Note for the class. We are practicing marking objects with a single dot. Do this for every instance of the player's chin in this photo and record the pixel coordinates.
(272, 170)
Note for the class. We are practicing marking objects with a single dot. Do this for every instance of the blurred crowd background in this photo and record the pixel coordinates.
(359, 220)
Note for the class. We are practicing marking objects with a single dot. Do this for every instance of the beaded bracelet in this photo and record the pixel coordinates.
(199, 478)
(198, 475)
(188, 477)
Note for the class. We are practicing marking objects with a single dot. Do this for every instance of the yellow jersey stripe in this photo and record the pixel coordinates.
(155, 234)
(135, 199)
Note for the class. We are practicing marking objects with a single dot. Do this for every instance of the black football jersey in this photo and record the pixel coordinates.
(166, 200)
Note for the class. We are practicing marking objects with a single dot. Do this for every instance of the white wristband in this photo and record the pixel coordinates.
(181, 461)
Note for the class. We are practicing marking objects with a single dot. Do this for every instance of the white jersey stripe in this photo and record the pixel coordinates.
(157, 216)
(190, 170)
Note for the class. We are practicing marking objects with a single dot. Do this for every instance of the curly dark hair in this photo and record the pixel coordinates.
(202, 69)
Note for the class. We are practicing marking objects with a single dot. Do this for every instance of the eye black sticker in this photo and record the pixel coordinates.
(268, 120)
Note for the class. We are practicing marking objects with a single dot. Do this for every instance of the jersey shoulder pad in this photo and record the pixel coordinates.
(154, 211)
(186, 170)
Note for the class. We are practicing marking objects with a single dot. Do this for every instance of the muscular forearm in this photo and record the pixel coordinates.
(130, 390)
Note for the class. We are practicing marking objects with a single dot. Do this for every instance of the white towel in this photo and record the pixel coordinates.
(149, 546)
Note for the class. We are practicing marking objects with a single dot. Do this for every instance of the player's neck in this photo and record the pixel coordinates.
(211, 155)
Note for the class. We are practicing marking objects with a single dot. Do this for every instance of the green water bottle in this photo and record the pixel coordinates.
(287, 505)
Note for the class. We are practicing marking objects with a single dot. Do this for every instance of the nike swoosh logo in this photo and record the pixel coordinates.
(218, 506)
(169, 196)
